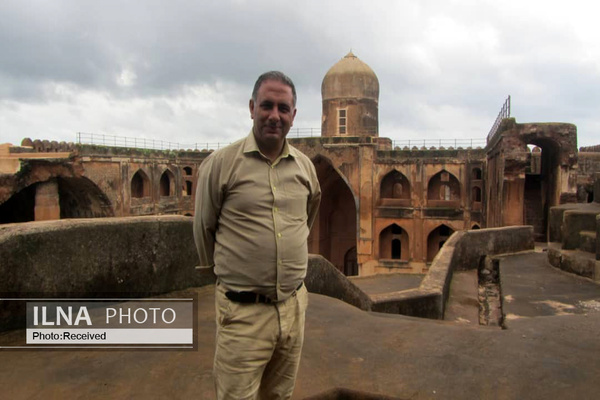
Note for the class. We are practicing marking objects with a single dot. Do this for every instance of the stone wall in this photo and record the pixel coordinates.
(140, 255)
(464, 250)
(108, 257)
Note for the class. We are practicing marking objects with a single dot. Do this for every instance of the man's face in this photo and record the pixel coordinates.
(273, 114)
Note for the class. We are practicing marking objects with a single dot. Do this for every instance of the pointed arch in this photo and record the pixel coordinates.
(335, 229)
(394, 189)
(167, 184)
(443, 188)
(393, 243)
(140, 185)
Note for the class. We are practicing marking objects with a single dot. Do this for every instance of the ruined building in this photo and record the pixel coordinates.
(385, 208)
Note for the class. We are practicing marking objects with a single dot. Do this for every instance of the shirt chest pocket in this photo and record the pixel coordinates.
(292, 203)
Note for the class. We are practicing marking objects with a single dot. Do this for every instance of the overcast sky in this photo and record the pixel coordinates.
(183, 70)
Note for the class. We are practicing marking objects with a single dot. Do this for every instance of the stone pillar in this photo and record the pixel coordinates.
(365, 251)
(47, 206)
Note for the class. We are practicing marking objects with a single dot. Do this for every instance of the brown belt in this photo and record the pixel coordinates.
(251, 297)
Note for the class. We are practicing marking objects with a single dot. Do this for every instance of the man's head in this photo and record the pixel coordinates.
(273, 108)
(274, 76)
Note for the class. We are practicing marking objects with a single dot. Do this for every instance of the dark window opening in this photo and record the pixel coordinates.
(396, 249)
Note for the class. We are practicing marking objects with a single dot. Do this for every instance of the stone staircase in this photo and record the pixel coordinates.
(574, 230)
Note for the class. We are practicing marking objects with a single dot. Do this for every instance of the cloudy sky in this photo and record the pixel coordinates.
(183, 70)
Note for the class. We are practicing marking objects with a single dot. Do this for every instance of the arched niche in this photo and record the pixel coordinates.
(167, 184)
(443, 190)
(393, 243)
(140, 185)
(436, 239)
(394, 190)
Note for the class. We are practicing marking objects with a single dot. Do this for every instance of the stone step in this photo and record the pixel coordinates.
(588, 241)
(577, 262)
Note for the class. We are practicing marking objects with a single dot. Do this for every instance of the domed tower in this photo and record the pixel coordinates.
(350, 92)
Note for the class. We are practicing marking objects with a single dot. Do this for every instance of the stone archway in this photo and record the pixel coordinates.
(60, 197)
(540, 188)
(334, 231)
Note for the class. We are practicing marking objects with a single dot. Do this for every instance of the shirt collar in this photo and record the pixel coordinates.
(250, 146)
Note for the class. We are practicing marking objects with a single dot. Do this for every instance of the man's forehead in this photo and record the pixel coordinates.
(274, 86)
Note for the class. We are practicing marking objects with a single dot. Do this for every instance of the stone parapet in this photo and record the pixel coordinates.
(141, 255)
(463, 251)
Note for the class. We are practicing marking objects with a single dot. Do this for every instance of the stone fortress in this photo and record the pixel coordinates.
(384, 209)
(463, 226)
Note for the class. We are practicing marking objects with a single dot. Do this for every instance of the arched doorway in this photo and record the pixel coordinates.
(334, 232)
(351, 262)
(540, 191)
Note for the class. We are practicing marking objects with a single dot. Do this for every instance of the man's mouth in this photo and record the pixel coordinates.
(272, 128)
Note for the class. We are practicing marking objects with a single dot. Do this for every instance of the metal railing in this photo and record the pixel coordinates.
(143, 143)
(154, 144)
(504, 113)
(438, 143)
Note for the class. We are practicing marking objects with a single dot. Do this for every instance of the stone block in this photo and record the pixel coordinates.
(575, 221)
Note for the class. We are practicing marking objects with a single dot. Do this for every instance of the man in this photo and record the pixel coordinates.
(255, 203)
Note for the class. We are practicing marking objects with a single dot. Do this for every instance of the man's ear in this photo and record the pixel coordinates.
(293, 116)
(251, 106)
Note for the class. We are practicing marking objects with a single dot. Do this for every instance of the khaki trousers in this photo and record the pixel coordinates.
(258, 346)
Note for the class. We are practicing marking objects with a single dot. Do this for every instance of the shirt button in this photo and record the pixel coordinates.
(276, 209)
(273, 188)
(279, 235)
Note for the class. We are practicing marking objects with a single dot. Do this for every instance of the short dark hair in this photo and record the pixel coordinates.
(274, 76)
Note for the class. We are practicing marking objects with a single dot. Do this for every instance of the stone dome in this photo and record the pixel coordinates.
(350, 78)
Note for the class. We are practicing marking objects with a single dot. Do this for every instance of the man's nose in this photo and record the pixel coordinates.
(274, 114)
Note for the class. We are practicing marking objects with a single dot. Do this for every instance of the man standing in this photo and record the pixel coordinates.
(255, 203)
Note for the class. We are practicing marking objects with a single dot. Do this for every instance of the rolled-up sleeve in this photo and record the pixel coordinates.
(207, 210)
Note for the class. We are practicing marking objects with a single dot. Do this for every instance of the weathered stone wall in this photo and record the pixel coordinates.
(588, 167)
(323, 278)
(139, 255)
(102, 179)
(127, 257)
(573, 241)
(509, 166)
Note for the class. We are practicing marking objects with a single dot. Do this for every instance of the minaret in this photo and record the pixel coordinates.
(350, 92)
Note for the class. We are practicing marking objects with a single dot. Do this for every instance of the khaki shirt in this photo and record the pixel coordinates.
(253, 217)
